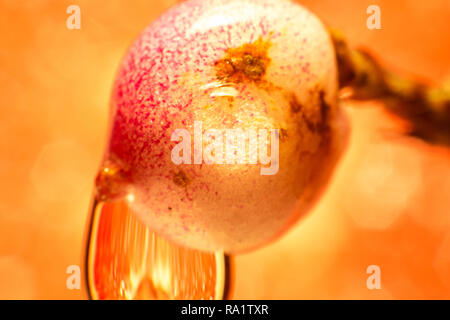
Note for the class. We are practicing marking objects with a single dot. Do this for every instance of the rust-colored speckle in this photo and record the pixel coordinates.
(294, 103)
(283, 134)
(112, 180)
(230, 101)
(181, 179)
(324, 125)
(317, 116)
(248, 62)
(324, 111)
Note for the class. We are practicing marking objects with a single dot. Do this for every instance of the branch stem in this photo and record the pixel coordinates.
(425, 107)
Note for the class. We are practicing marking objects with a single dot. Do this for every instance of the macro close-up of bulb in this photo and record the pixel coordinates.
(232, 83)
(227, 149)
(193, 101)
(267, 65)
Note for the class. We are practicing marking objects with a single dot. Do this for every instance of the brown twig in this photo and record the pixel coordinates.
(425, 107)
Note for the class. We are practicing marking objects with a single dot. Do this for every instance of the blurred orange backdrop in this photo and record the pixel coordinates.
(388, 204)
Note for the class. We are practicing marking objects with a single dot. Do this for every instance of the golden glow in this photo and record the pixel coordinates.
(54, 96)
(128, 261)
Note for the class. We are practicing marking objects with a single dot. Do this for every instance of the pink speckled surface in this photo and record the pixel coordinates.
(167, 81)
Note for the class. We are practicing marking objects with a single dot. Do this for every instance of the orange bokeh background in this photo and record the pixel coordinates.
(388, 204)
